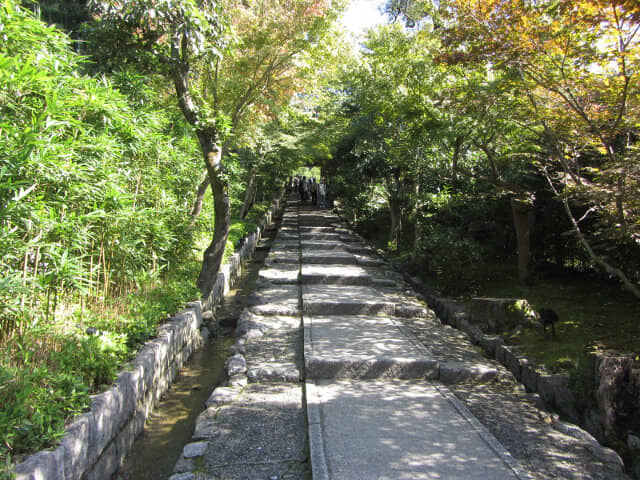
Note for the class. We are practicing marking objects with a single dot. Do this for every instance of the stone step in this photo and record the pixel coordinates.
(359, 249)
(307, 229)
(258, 431)
(355, 300)
(276, 300)
(282, 256)
(360, 346)
(322, 245)
(335, 275)
(281, 273)
(271, 347)
(285, 244)
(287, 237)
(328, 257)
(368, 260)
(321, 236)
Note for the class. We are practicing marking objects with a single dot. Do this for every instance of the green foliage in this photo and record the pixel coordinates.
(49, 372)
(93, 188)
(36, 404)
(95, 184)
(237, 231)
(454, 259)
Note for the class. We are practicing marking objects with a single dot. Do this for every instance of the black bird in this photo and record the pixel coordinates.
(548, 317)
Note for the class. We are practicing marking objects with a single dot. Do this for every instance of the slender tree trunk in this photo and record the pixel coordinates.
(417, 226)
(522, 212)
(197, 203)
(249, 194)
(212, 258)
(212, 154)
(246, 202)
(396, 220)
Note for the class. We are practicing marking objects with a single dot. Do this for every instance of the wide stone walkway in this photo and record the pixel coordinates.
(340, 372)
(374, 404)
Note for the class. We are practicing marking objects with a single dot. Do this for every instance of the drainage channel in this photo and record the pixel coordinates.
(170, 426)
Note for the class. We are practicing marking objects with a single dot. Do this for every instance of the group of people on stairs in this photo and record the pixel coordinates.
(310, 190)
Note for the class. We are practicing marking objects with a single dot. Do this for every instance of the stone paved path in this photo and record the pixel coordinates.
(339, 371)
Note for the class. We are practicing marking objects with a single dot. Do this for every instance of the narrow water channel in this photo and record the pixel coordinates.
(170, 426)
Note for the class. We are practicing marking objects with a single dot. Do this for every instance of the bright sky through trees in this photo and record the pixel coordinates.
(363, 14)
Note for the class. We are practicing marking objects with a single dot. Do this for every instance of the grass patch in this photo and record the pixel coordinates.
(593, 316)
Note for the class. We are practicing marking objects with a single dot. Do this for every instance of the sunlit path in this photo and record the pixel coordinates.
(339, 372)
(373, 412)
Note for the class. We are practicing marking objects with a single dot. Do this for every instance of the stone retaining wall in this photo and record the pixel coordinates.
(97, 442)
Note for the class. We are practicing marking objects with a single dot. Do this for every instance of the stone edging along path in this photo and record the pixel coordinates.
(96, 442)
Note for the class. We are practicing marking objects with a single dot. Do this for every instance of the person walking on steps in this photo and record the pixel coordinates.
(314, 191)
(322, 193)
(304, 192)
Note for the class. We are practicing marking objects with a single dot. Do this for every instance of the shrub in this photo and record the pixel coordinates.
(455, 260)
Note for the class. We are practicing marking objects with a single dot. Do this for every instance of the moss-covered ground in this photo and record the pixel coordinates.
(594, 315)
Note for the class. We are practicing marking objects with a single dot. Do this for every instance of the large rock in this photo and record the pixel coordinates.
(496, 315)
(554, 389)
(617, 394)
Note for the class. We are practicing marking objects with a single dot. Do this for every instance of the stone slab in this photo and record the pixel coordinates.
(285, 245)
(396, 430)
(322, 244)
(358, 249)
(280, 256)
(316, 221)
(459, 372)
(282, 294)
(262, 435)
(291, 236)
(276, 300)
(327, 235)
(355, 300)
(368, 260)
(328, 257)
(340, 300)
(317, 230)
(363, 347)
(281, 273)
(335, 274)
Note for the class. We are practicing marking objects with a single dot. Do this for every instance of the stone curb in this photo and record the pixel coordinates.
(96, 442)
(318, 460)
(485, 434)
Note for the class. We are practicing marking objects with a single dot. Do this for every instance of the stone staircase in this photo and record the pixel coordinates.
(339, 371)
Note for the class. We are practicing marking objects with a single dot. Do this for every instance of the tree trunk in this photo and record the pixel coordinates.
(249, 194)
(200, 193)
(523, 213)
(213, 254)
(212, 154)
(395, 211)
(417, 228)
(246, 203)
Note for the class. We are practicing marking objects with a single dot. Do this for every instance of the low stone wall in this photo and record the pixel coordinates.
(96, 442)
